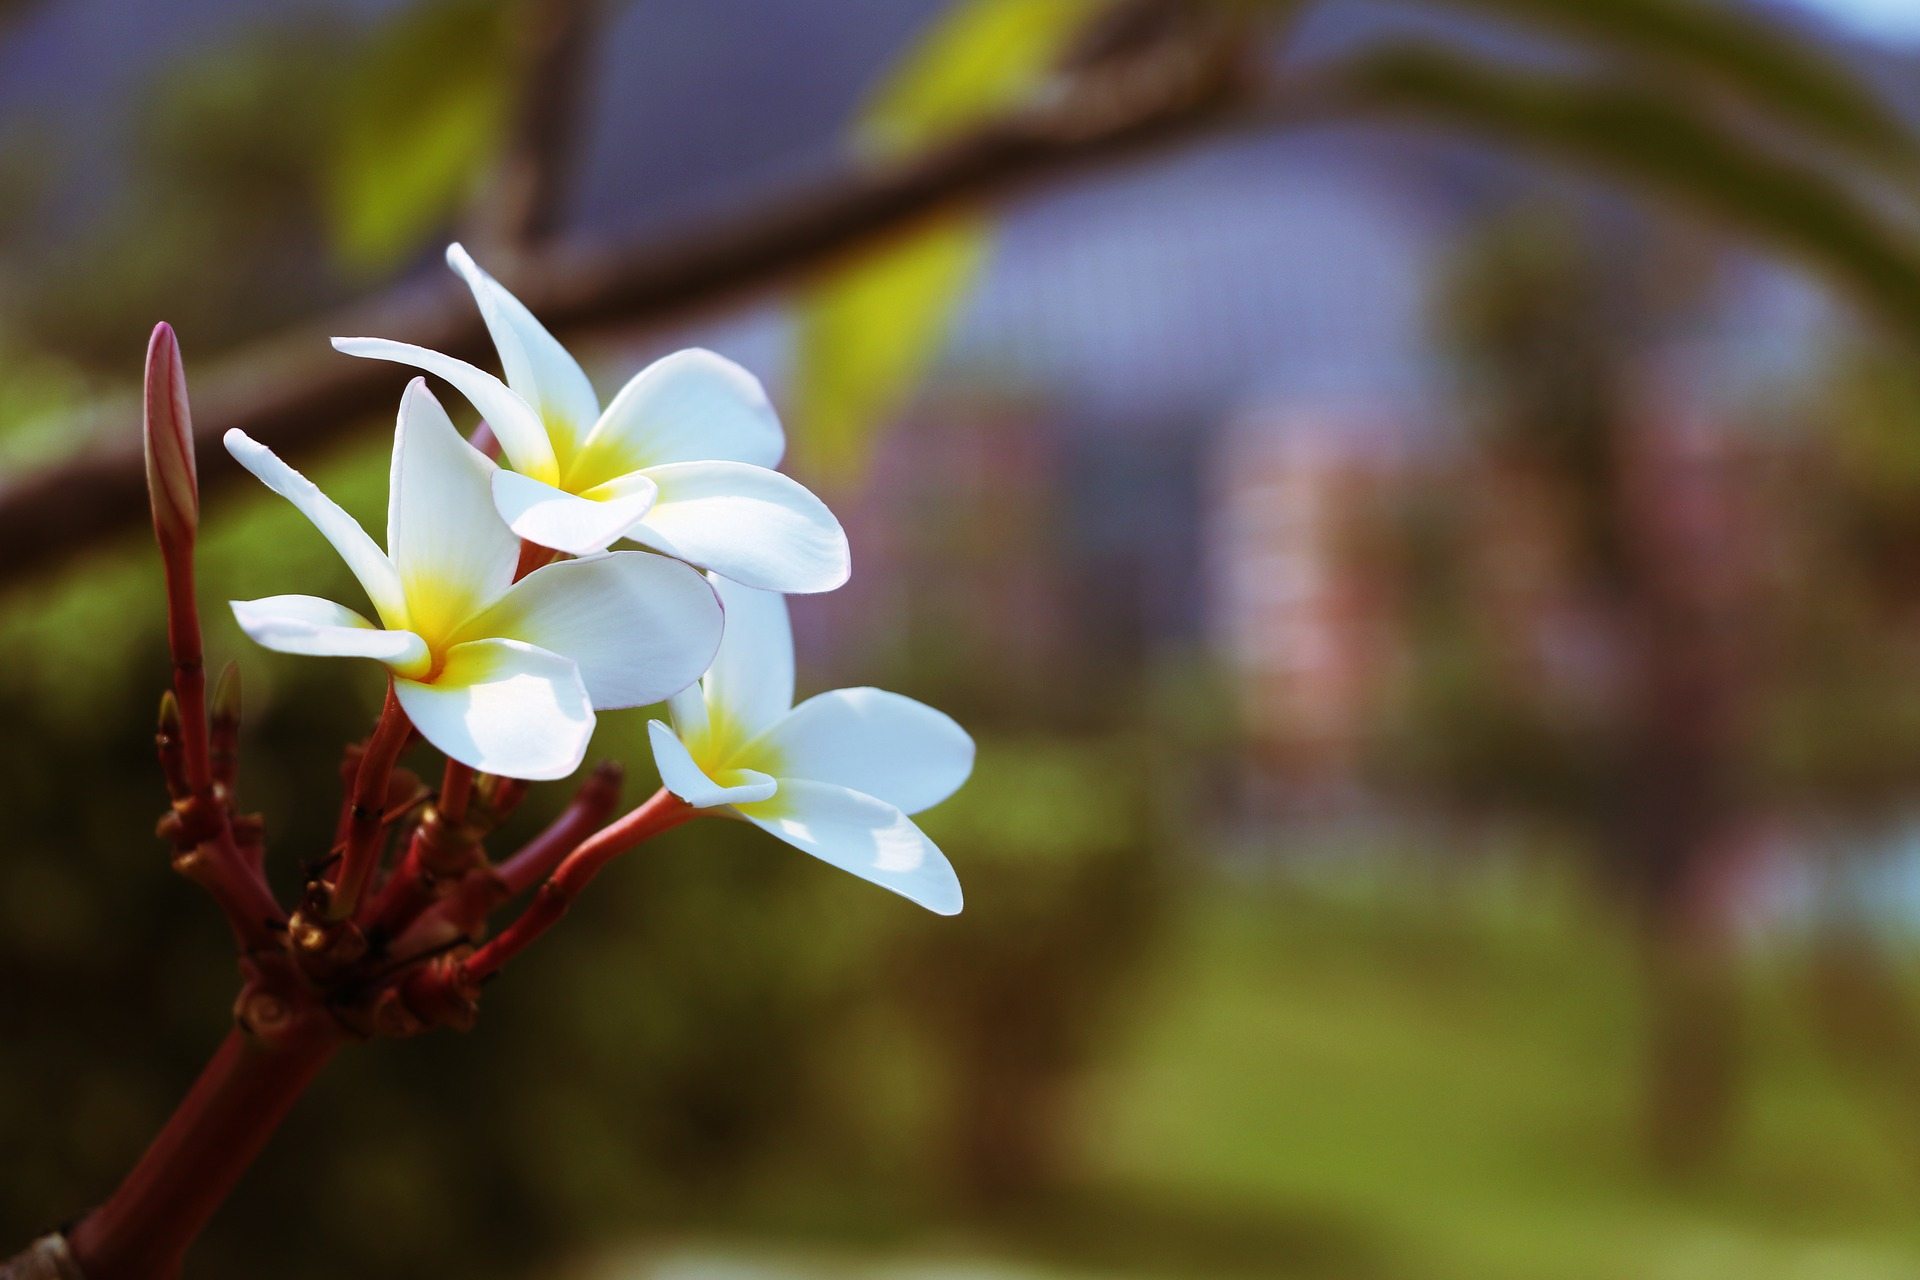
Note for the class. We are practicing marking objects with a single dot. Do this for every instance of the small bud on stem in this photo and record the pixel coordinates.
(198, 825)
(173, 480)
(366, 808)
(173, 486)
(224, 731)
(166, 741)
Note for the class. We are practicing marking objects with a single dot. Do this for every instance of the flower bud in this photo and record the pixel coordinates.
(169, 720)
(226, 695)
(223, 739)
(170, 742)
(173, 483)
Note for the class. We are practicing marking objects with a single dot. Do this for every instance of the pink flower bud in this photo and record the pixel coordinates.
(173, 483)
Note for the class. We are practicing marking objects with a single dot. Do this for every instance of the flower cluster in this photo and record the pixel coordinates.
(614, 558)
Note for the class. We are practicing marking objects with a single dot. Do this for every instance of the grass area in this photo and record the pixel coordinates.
(1439, 1084)
(1424, 1082)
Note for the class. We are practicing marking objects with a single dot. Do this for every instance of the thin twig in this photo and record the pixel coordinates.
(662, 812)
(367, 807)
(557, 39)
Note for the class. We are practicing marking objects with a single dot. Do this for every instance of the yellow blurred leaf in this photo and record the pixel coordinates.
(981, 57)
(868, 332)
(423, 116)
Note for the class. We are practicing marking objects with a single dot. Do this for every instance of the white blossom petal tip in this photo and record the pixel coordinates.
(369, 563)
(747, 523)
(862, 835)
(883, 744)
(320, 628)
(515, 423)
(538, 368)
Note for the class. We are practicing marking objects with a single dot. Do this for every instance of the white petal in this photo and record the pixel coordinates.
(454, 555)
(691, 406)
(755, 526)
(750, 685)
(639, 626)
(522, 436)
(536, 365)
(551, 517)
(680, 775)
(320, 628)
(858, 833)
(369, 564)
(505, 708)
(901, 751)
(688, 711)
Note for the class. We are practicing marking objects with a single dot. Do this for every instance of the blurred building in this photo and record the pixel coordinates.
(1305, 595)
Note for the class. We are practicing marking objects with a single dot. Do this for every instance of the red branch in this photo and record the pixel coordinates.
(462, 913)
(143, 1230)
(592, 805)
(367, 807)
(456, 788)
(660, 813)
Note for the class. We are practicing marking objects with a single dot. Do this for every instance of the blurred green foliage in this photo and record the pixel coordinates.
(420, 129)
(1767, 69)
(870, 330)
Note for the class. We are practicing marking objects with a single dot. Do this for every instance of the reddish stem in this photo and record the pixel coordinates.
(592, 805)
(410, 888)
(456, 789)
(461, 912)
(367, 807)
(532, 556)
(143, 1230)
(233, 879)
(189, 667)
(660, 813)
(406, 891)
(224, 736)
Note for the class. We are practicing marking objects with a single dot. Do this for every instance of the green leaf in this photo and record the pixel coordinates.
(1651, 140)
(423, 114)
(868, 332)
(1735, 50)
(983, 56)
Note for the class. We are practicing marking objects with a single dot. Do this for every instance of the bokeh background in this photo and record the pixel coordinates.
(1419, 503)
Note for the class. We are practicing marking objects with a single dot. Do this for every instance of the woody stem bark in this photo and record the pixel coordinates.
(143, 1230)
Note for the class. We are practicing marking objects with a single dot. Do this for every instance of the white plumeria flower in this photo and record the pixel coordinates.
(835, 776)
(680, 462)
(500, 675)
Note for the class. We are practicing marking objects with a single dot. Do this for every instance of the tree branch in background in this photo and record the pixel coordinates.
(557, 40)
(1132, 91)
(294, 395)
